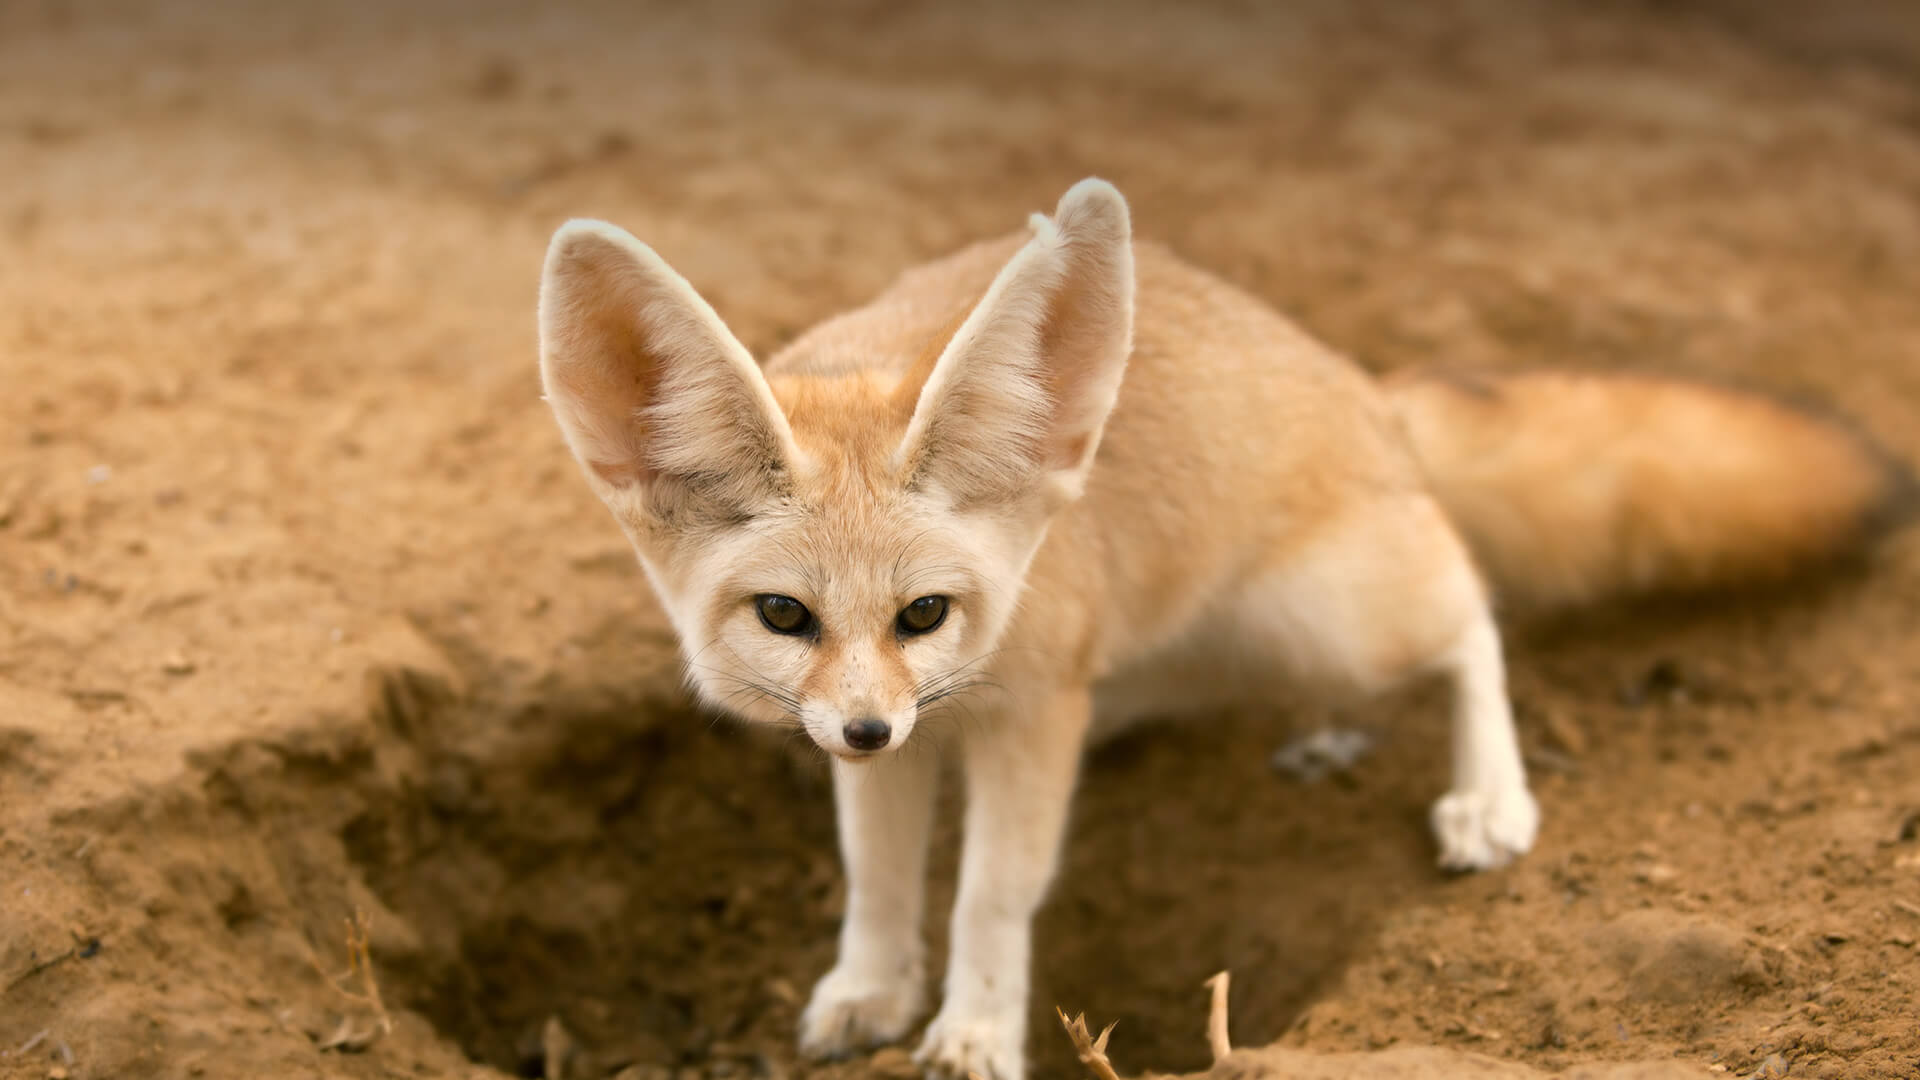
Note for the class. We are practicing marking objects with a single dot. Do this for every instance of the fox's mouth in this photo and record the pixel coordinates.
(856, 755)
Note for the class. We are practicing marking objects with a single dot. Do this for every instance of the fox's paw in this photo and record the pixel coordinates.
(1480, 831)
(852, 1011)
(955, 1049)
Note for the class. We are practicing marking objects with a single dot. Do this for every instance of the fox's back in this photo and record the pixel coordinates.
(1221, 391)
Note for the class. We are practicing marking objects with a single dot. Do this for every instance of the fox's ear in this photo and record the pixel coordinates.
(1016, 403)
(655, 396)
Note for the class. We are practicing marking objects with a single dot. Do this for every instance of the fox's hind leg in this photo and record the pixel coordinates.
(1489, 817)
(1386, 593)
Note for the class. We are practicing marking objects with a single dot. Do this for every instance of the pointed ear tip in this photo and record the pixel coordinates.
(1093, 192)
(586, 234)
(581, 227)
(1096, 203)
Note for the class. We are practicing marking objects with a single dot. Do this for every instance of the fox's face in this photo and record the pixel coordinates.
(848, 604)
(840, 553)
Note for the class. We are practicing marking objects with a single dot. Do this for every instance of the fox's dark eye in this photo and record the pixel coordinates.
(783, 614)
(923, 615)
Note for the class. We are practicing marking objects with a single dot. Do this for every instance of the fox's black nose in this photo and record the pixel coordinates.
(868, 733)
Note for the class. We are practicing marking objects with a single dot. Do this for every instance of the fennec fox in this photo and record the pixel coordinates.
(952, 491)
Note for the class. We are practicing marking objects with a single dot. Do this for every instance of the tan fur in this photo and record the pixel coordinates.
(1572, 487)
(1274, 443)
(1139, 491)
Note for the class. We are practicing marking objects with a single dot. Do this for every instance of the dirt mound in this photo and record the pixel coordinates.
(309, 632)
(1423, 1063)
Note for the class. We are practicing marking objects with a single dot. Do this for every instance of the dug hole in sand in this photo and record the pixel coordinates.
(340, 737)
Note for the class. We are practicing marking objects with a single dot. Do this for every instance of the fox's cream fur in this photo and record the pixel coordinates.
(1132, 489)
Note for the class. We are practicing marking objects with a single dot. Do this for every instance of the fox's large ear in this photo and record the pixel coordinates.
(1016, 403)
(655, 396)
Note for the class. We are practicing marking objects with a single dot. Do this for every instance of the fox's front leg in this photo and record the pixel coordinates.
(1020, 776)
(877, 987)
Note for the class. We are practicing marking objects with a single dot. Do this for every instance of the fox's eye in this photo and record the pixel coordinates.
(783, 614)
(923, 615)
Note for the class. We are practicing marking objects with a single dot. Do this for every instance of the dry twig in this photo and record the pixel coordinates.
(1092, 1051)
(360, 970)
(85, 948)
(1217, 1017)
(556, 1049)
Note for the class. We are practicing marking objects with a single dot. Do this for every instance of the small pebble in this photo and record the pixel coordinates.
(893, 1062)
(1328, 750)
(782, 991)
(1656, 874)
(1565, 732)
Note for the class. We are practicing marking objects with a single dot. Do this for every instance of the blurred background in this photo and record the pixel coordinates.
(304, 611)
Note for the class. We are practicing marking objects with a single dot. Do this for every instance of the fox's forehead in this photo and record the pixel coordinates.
(850, 534)
(848, 426)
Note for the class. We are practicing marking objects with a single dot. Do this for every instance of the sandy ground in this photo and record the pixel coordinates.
(304, 611)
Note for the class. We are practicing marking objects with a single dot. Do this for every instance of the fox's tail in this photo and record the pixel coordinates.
(1573, 487)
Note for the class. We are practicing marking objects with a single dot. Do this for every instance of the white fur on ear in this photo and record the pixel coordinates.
(647, 383)
(1017, 401)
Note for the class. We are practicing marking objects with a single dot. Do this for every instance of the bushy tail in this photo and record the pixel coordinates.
(1573, 487)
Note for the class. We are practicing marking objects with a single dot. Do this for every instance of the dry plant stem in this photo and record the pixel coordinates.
(1092, 1051)
(1217, 1017)
(556, 1049)
(360, 965)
